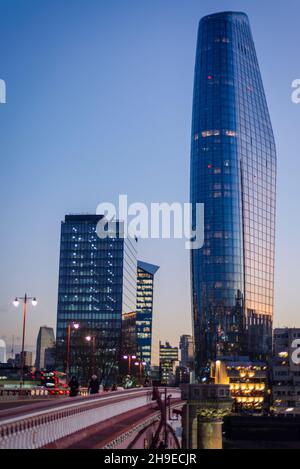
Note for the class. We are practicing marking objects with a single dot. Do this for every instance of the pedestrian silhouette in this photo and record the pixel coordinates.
(74, 387)
(94, 385)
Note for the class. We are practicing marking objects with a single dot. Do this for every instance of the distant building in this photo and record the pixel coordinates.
(187, 351)
(8, 371)
(28, 359)
(11, 361)
(248, 382)
(50, 354)
(45, 340)
(2, 351)
(147, 340)
(182, 375)
(168, 361)
(285, 372)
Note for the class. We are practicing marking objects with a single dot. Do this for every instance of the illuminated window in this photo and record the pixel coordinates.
(230, 133)
(210, 133)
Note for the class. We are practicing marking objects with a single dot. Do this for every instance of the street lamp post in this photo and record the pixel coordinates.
(76, 326)
(92, 339)
(129, 358)
(140, 364)
(165, 420)
(16, 303)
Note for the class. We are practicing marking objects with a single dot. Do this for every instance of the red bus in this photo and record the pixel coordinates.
(55, 383)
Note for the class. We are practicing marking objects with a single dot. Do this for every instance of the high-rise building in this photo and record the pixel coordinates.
(2, 351)
(45, 340)
(147, 340)
(233, 173)
(186, 346)
(97, 286)
(168, 359)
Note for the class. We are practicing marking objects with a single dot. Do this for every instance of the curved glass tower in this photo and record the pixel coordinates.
(233, 172)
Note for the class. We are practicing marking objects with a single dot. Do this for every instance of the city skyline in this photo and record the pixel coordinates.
(30, 236)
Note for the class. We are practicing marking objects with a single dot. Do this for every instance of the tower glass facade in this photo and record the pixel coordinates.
(144, 312)
(233, 173)
(97, 286)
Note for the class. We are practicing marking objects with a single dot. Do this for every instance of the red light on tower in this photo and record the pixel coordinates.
(209, 166)
(210, 77)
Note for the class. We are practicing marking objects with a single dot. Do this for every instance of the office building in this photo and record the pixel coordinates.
(146, 322)
(168, 362)
(248, 381)
(97, 287)
(233, 173)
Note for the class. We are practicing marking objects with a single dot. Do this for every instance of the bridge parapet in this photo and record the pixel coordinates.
(38, 428)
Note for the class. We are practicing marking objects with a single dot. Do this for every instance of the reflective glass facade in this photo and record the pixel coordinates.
(144, 311)
(233, 172)
(97, 286)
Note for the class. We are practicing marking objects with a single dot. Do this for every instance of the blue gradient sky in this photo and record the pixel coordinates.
(99, 98)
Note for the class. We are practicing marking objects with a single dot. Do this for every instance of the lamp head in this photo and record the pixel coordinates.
(16, 302)
(34, 302)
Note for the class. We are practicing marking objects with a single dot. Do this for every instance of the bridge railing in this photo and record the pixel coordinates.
(36, 429)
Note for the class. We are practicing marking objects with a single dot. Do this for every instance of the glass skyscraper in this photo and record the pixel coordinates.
(233, 173)
(97, 286)
(145, 329)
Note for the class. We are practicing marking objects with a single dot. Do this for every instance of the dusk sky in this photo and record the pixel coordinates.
(99, 103)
